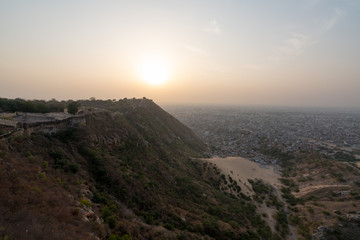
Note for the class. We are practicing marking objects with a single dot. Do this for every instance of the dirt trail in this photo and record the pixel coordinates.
(309, 189)
(292, 229)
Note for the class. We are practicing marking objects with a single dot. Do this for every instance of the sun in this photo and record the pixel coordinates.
(155, 70)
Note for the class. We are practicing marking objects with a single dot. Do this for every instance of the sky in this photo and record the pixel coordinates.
(213, 52)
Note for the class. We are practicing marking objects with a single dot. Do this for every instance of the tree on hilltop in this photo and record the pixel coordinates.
(73, 107)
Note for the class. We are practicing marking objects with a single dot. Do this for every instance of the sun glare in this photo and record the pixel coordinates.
(155, 70)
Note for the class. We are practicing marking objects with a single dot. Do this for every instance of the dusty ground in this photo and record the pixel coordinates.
(330, 189)
(242, 169)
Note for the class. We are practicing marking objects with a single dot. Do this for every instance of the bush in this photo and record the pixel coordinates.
(73, 167)
(294, 220)
(326, 213)
(85, 202)
(211, 227)
(2, 154)
(117, 237)
(311, 210)
(99, 197)
(282, 223)
(75, 211)
(168, 226)
(62, 163)
(73, 107)
(111, 221)
(304, 230)
(57, 154)
(66, 135)
(36, 106)
(106, 212)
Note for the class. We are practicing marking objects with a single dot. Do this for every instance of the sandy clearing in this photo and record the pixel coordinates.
(242, 169)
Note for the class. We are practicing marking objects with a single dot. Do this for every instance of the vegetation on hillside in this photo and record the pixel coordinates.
(129, 173)
(34, 106)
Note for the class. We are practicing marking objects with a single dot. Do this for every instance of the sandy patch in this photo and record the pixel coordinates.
(242, 169)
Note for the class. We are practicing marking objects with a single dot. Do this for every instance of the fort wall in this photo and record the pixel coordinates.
(7, 122)
(50, 127)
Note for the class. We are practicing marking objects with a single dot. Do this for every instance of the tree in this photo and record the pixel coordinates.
(73, 107)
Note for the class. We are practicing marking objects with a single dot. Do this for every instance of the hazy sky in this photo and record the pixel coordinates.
(279, 52)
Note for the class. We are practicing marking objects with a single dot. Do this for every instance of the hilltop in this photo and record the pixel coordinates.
(127, 170)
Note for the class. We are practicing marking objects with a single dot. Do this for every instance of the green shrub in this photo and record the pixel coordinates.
(111, 221)
(168, 226)
(75, 211)
(42, 176)
(106, 212)
(304, 230)
(85, 202)
(73, 107)
(311, 210)
(211, 227)
(28, 154)
(99, 197)
(4, 237)
(117, 237)
(57, 154)
(73, 167)
(294, 220)
(326, 213)
(45, 164)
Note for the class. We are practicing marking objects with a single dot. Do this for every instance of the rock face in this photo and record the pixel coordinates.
(347, 229)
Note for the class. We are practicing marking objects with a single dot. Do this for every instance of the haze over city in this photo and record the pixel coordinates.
(287, 53)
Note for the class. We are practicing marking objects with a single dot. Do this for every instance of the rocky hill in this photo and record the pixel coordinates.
(127, 172)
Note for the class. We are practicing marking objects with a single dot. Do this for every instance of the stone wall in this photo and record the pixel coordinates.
(27, 118)
(51, 127)
(6, 122)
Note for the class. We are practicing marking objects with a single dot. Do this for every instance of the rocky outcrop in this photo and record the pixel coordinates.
(346, 229)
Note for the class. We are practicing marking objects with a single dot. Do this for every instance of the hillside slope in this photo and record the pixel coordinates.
(127, 173)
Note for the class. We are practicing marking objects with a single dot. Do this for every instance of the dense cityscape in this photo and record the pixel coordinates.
(247, 132)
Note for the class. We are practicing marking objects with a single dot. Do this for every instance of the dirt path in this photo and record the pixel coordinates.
(309, 189)
(292, 235)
